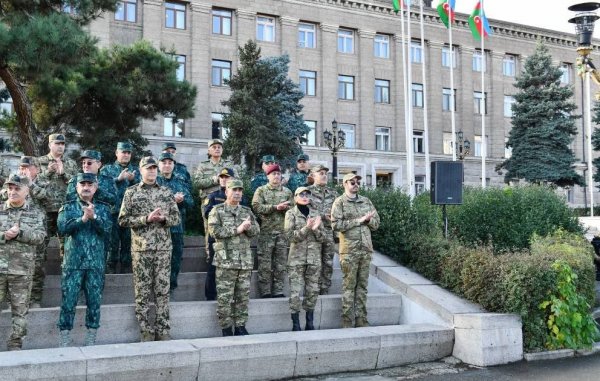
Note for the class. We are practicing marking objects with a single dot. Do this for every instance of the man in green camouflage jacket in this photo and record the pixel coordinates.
(233, 225)
(299, 177)
(150, 211)
(354, 217)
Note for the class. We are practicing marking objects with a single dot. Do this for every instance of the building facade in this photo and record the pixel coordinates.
(347, 57)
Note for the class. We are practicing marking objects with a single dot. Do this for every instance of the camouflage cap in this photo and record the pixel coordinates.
(302, 156)
(165, 156)
(212, 142)
(300, 190)
(26, 161)
(148, 161)
(91, 154)
(86, 178)
(268, 159)
(272, 168)
(233, 184)
(17, 180)
(124, 146)
(167, 145)
(228, 172)
(350, 176)
(318, 167)
(57, 137)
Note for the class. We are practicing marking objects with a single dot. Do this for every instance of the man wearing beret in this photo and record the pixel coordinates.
(180, 168)
(150, 210)
(299, 178)
(270, 202)
(260, 178)
(354, 217)
(85, 223)
(125, 174)
(21, 230)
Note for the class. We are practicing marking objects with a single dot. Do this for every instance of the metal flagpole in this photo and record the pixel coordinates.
(406, 93)
(483, 97)
(409, 130)
(588, 132)
(425, 111)
(452, 106)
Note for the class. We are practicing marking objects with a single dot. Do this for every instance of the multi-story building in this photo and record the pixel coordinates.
(347, 57)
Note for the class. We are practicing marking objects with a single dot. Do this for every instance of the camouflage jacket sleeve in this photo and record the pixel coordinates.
(374, 222)
(33, 232)
(70, 223)
(173, 217)
(260, 204)
(127, 215)
(216, 228)
(71, 191)
(38, 191)
(295, 229)
(339, 222)
(205, 177)
(254, 228)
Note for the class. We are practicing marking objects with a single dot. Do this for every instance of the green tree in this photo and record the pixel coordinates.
(264, 110)
(542, 125)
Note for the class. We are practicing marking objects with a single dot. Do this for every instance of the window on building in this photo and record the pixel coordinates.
(218, 131)
(509, 65)
(479, 102)
(418, 141)
(447, 143)
(345, 41)
(311, 135)
(417, 95)
(126, 10)
(381, 46)
(419, 184)
(308, 82)
(507, 150)
(221, 22)
(446, 56)
(509, 100)
(350, 136)
(307, 35)
(382, 91)
(345, 87)
(570, 195)
(565, 68)
(447, 98)
(477, 145)
(265, 28)
(221, 71)
(173, 127)
(180, 72)
(174, 15)
(416, 51)
(478, 61)
(382, 138)
(6, 107)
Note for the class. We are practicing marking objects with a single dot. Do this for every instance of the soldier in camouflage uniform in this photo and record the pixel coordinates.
(125, 174)
(91, 161)
(322, 198)
(180, 168)
(183, 198)
(299, 178)
(305, 232)
(270, 202)
(22, 229)
(4, 172)
(354, 217)
(150, 211)
(85, 223)
(260, 178)
(233, 226)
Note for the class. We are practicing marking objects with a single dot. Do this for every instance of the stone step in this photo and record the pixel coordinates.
(256, 357)
(191, 320)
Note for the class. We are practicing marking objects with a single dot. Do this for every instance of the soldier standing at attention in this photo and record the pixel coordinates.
(85, 223)
(183, 198)
(299, 177)
(233, 226)
(322, 198)
(125, 174)
(305, 232)
(21, 230)
(354, 217)
(270, 202)
(149, 210)
(260, 178)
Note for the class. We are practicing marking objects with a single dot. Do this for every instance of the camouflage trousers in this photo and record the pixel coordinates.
(272, 260)
(73, 281)
(233, 293)
(327, 254)
(151, 273)
(176, 254)
(39, 274)
(303, 277)
(16, 289)
(120, 245)
(355, 273)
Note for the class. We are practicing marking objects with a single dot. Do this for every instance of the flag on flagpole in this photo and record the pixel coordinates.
(446, 11)
(479, 24)
(398, 4)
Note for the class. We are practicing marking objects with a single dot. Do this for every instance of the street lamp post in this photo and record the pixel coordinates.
(335, 140)
(463, 146)
(584, 27)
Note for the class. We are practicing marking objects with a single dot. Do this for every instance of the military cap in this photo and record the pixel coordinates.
(167, 145)
(268, 158)
(233, 184)
(124, 146)
(227, 172)
(165, 156)
(350, 176)
(272, 168)
(17, 180)
(212, 142)
(300, 190)
(57, 137)
(26, 161)
(148, 161)
(91, 154)
(86, 177)
(318, 167)
(303, 156)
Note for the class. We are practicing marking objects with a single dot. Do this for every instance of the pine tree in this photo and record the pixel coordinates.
(542, 125)
(264, 110)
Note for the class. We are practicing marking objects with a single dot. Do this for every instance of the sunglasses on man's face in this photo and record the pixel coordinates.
(353, 183)
(304, 194)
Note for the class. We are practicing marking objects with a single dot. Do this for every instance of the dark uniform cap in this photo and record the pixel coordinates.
(86, 177)
(227, 172)
(272, 168)
(300, 190)
(167, 145)
(215, 141)
(350, 176)
(303, 156)
(26, 161)
(91, 154)
(235, 184)
(17, 180)
(268, 158)
(124, 146)
(58, 137)
(148, 161)
(319, 167)
(165, 156)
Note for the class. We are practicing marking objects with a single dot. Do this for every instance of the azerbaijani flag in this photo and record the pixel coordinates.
(479, 24)
(446, 11)
(400, 4)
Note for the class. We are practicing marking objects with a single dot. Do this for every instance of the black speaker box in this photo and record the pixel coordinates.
(446, 182)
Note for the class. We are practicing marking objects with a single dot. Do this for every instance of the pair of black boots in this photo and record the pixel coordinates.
(238, 331)
(310, 318)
